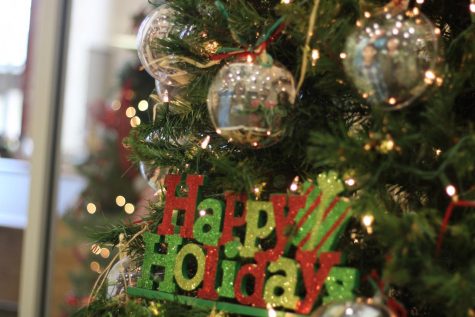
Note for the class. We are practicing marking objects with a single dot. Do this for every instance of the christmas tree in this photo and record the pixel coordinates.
(319, 158)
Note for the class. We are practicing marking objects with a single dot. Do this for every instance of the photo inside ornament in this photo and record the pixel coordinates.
(122, 275)
(158, 25)
(248, 102)
(391, 58)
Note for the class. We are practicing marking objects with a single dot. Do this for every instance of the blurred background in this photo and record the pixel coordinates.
(102, 93)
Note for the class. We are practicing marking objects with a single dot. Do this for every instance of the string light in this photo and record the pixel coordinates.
(450, 190)
(343, 55)
(429, 77)
(350, 182)
(295, 184)
(205, 142)
(315, 56)
(271, 311)
(367, 220)
(116, 105)
(143, 105)
(367, 14)
(91, 208)
(129, 208)
(285, 1)
(120, 201)
(135, 122)
(420, 1)
(472, 6)
(95, 267)
(105, 253)
(202, 213)
(165, 96)
(130, 112)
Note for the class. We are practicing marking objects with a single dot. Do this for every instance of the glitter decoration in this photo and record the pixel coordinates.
(232, 263)
(207, 228)
(182, 264)
(322, 220)
(285, 210)
(231, 249)
(392, 58)
(313, 281)
(255, 230)
(208, 290)
(153, 260)
(248, 102)
(229, 273)
(353, 309)
(122, 275)
(187, 204)
(286, 284)
(241, 287)
(232, 221)
(340, 284)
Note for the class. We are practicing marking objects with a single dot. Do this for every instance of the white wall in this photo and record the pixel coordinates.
(94, 26)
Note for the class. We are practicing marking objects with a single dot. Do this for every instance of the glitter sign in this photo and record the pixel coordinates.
(245, 256)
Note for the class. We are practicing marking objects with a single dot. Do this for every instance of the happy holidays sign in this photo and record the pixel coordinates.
(243, 256)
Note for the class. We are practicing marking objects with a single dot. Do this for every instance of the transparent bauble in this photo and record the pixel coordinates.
(391, 58)
(167, 93)
(353, 309)
(154, 175)
(122, 275)
(248, 102)
(158, 25)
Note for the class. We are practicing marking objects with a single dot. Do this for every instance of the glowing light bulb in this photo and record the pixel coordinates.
(205, 142)
(129, 208)
(91, 208)
(367, 220)
(130, 112)
(120, 201)
(143, 105)
(450, 190)
(350, 182)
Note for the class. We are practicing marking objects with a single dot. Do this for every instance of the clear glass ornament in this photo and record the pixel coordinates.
(167, 93)
(352, 309)
(155, 176)
(248, 102)
(158, 25)
(391, 58)
(123, 274)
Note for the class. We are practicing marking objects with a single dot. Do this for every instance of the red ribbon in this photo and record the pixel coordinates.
(447, 216)
(253, 54)
(392, 303)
